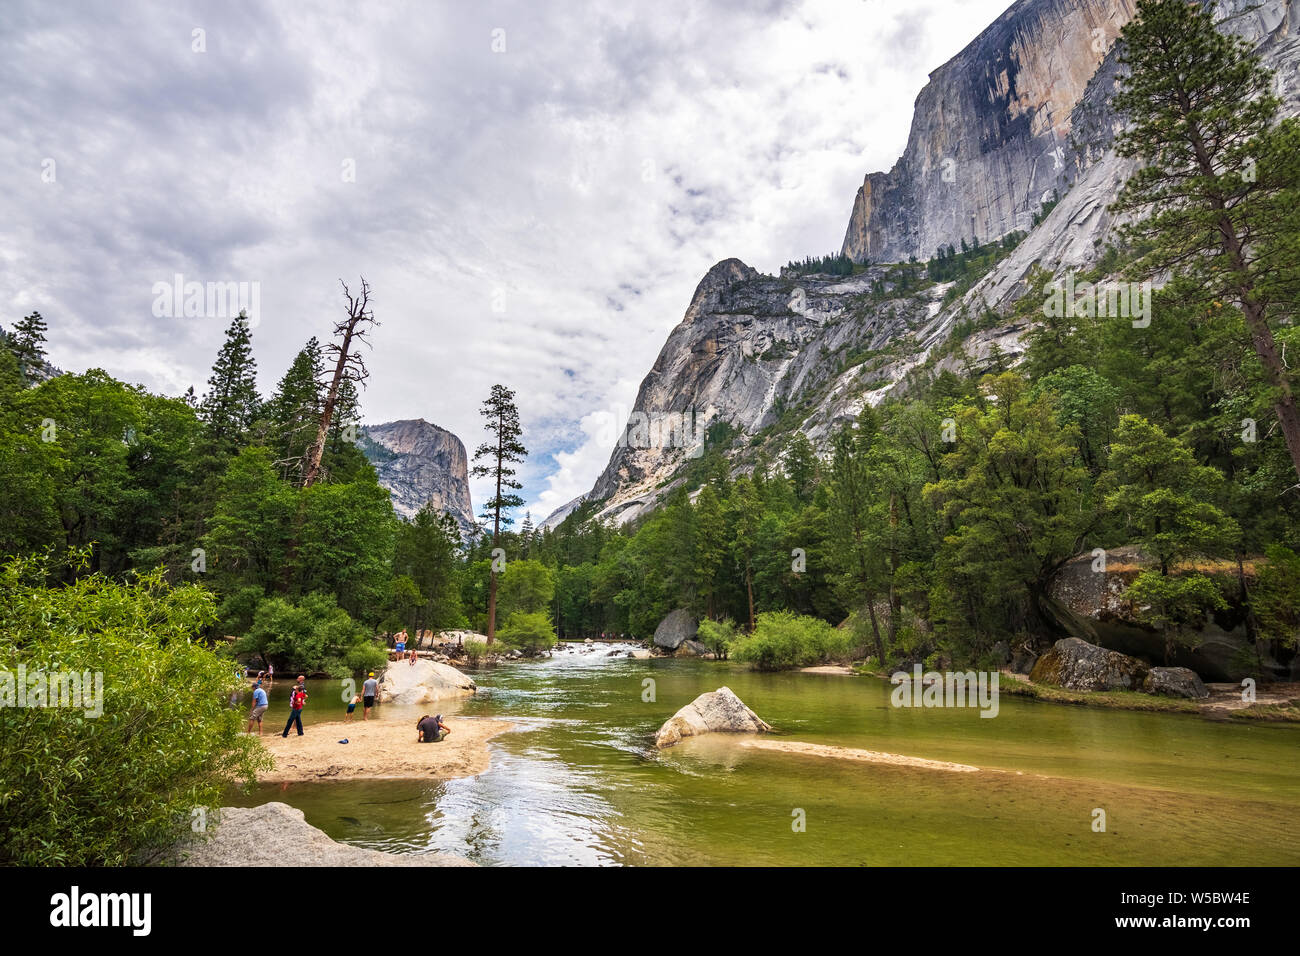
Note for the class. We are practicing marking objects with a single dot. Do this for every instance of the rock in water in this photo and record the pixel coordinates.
(425, 681)
(1175, 682)
(275, 832)
(717, 712)
(1077, 665)
(677, 627)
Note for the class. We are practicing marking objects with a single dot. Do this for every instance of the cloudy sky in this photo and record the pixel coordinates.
(532, 189)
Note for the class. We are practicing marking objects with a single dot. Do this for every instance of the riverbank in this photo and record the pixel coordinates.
(1280, 702)
(381, 750)
(1273, 702)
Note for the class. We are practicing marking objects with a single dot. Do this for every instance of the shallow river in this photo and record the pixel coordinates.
(578, 782)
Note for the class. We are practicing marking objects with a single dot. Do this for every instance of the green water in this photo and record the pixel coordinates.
(579, 783)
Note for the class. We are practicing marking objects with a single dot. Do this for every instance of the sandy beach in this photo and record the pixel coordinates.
(849, 753)
(381, 750)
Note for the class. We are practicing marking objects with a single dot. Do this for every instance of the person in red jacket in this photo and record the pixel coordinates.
(297, 700)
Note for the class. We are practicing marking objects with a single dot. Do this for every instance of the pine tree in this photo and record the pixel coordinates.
(710, 546)
(294, 410)
(502, 422)
(1219, 188)
(27, 342)
(232, 403)
(801, 466)
(526, 532)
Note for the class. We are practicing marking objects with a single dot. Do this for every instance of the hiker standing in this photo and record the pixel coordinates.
(260, 704)
(369, 691)
(297, 698)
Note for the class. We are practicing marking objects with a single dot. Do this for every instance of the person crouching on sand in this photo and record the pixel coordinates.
(430, 730)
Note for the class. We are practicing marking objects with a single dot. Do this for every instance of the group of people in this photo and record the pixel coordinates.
(428, 729)
(400, 640)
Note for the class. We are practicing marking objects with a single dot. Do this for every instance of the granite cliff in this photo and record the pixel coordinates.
(756, 357)
(990, 137)
(421, 464)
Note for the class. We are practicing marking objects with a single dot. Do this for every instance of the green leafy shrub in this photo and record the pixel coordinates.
(782, 640)
(112, 789)
(315, 636)
(528, 631)
(717, 636)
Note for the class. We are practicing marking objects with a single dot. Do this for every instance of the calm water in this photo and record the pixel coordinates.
(579, 782)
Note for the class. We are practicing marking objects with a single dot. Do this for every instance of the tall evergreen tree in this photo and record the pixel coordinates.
(27, 342)
(232, 402)
(501, 419)
(1219, 188)
(294, 410)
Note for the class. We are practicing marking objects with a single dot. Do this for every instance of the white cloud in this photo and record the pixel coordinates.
(591, 173)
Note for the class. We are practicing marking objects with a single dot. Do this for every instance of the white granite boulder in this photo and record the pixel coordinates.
(719, 711)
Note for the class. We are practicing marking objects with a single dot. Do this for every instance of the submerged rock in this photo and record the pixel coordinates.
(1175, 682)
(694, 649)
(1077, 665)
(677, 627)
(423, 681)
(719, 711)
(274, 833)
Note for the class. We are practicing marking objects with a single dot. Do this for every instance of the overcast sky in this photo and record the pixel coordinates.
(532, 189)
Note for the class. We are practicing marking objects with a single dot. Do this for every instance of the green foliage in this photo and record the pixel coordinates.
(1174, 603)
(313, 636)
(1277, 596)
(782, 640)
(527, 587)
(529, 632)
(834, 264)
(1164, 495)
(107, 790)
(717, 636)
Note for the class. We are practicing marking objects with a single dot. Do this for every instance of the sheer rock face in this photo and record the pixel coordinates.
(421, 464)
(990, 137)
(748, 347)
(751, 347)
(1020, 112)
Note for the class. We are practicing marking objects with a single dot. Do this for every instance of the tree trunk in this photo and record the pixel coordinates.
(749, 587)
(875, 629)
(1252, 309)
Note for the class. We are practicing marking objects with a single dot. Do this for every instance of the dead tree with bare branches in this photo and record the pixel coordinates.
(349, 366)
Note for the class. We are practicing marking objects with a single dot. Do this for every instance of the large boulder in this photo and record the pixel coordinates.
(275, 832)
(1094, 606)
(678, 626)
(717, 712)
(423, 681)
(1077, 665)
(1175, 682)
